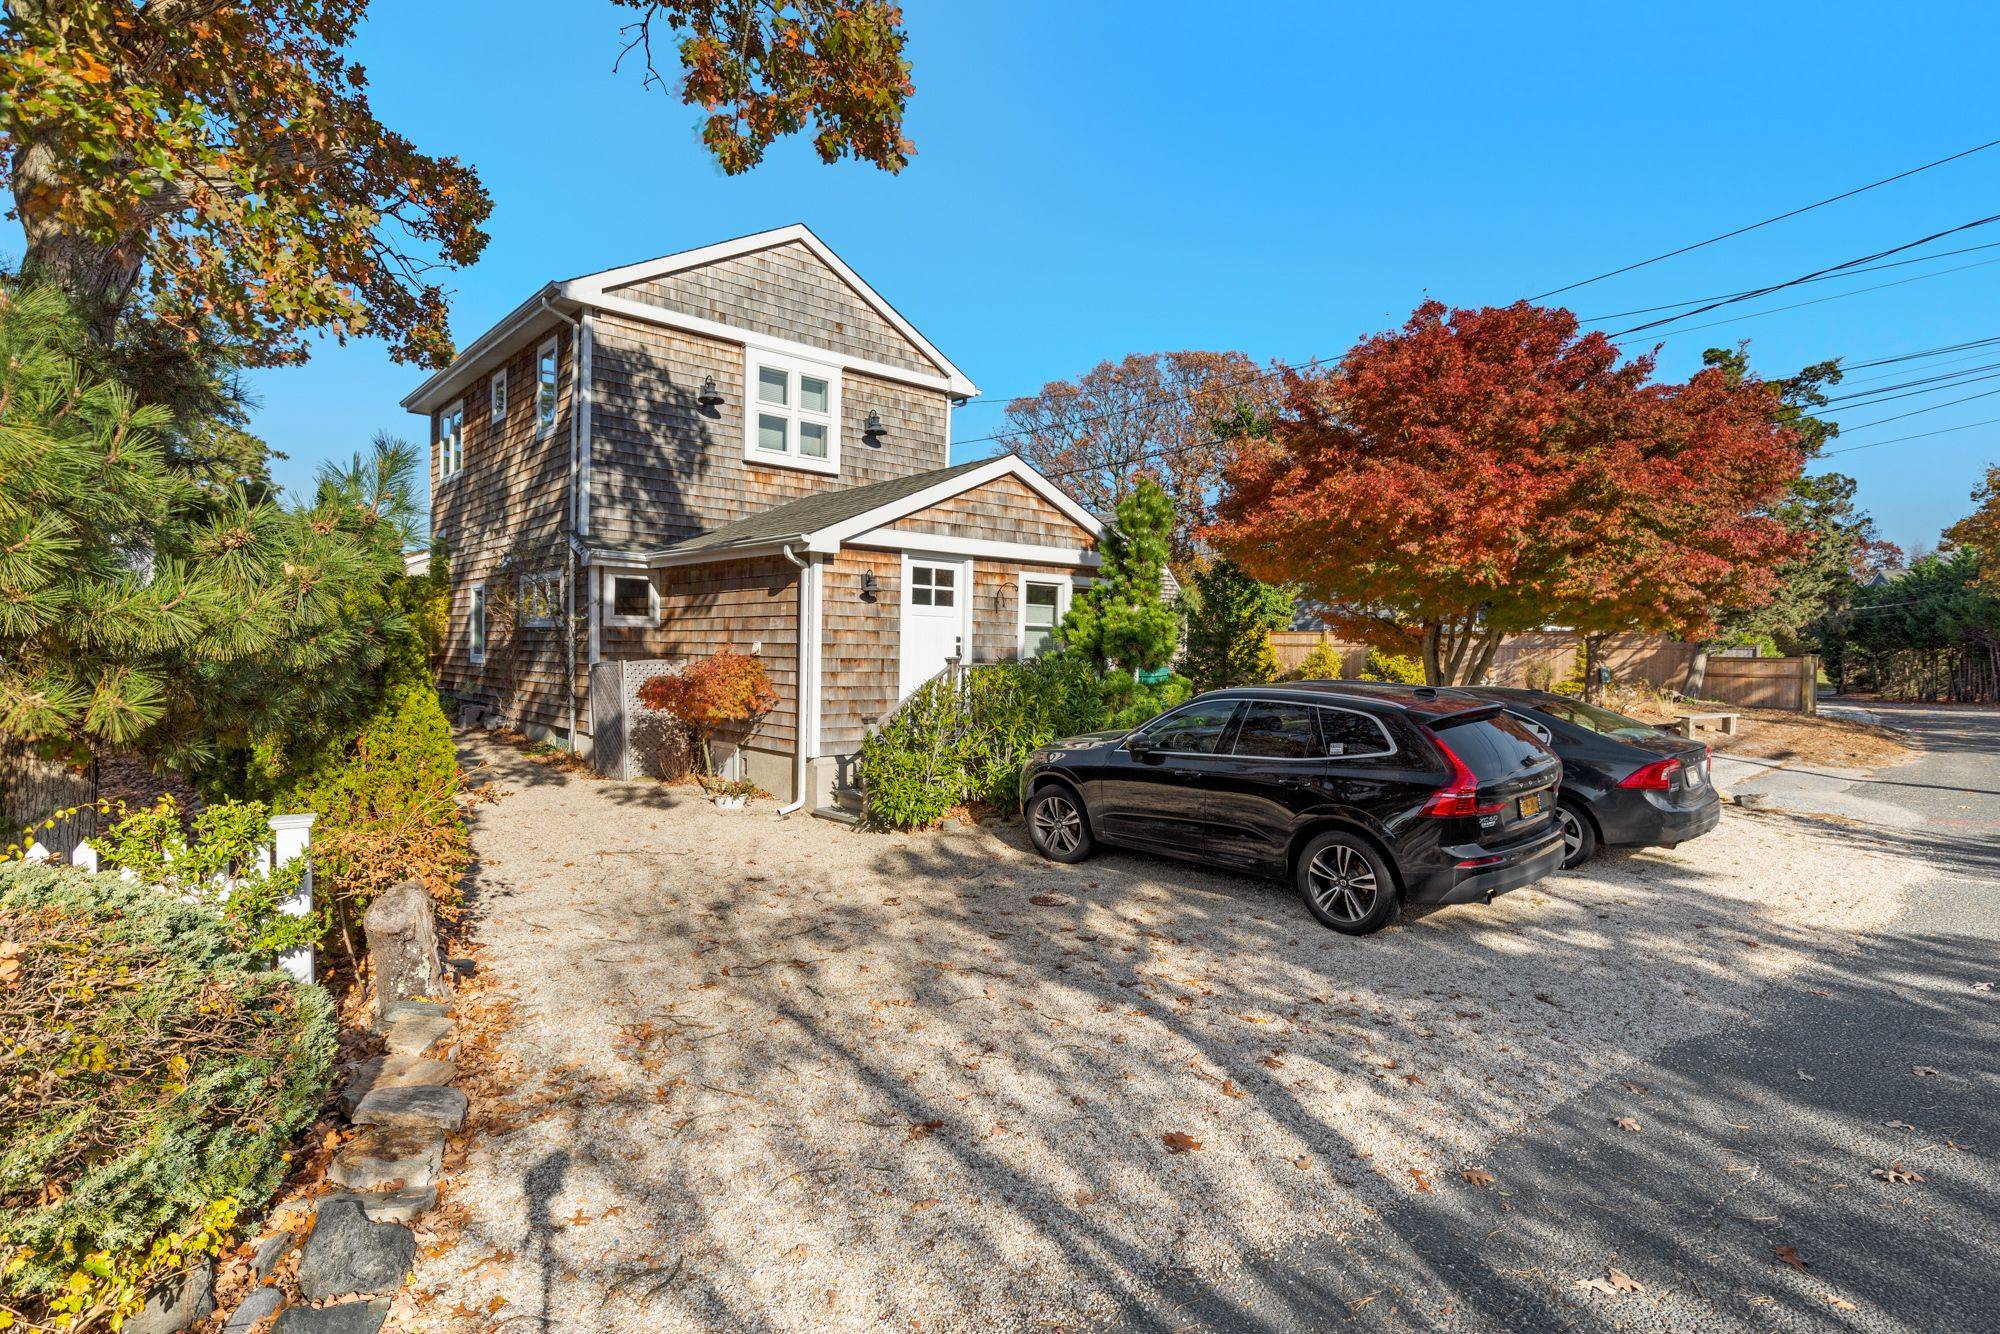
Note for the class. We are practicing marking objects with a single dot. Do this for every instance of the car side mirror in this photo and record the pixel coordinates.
(1140, 746)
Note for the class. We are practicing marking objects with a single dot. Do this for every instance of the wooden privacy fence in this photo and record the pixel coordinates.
(1544, 657)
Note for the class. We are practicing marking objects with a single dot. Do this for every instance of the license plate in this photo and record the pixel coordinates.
(1692, 770)
(1533, 804)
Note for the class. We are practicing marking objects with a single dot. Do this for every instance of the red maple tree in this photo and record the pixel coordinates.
(1481, 472)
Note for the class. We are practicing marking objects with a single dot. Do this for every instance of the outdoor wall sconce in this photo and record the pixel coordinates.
(868, 585)
(710, 396)
(873, 430)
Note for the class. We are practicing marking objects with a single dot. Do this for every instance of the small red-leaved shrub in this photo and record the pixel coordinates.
(728, 688)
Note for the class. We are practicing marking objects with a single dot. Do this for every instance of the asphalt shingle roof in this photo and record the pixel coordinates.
(809, 514)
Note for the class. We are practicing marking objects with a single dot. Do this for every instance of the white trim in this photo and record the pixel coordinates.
(476, 638)
(528, 314)
(794, 413)
(595, 612)
(594, 286)
(897, 539)
(497, 405)
(455, 453)
(785, 347)
(1007, 465)
(549, 349)
(813, 635)
(962, 590)
(581, 386)
(1065, 594)
(610, 574)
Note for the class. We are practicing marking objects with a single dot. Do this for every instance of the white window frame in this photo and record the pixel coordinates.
(756, 359)
(496, 394)
(607, 593)
(545, 588)
(475, 625)
(450, 448)
(549, 353)
(1065, 594)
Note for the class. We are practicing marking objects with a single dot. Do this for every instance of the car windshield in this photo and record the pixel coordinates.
(1593, 719)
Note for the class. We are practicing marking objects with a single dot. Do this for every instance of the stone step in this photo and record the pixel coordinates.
(836, 814)
(348, 1254)
(418, 1034)
(257, 1306)
(345, 1318)
(389, 1158)
(418, 1105)
(390, 1206)
(404, 1008)
(392, 1071)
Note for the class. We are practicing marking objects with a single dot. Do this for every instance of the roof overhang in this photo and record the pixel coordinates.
(531, 317)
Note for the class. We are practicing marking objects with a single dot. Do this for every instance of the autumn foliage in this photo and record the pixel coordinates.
(1479, 472)
(726, 688)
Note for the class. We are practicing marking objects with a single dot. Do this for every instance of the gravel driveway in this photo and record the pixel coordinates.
(735, 1072)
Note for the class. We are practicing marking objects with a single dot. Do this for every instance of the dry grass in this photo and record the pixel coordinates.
(742, 1073)
(1773, 734)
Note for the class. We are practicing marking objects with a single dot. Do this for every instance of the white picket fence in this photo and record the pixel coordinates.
(291, 838)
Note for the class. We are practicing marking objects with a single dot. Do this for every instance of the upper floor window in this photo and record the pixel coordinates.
(545, 388)
(496, 391)
(450, 440)
(541, 596)
(792, 413)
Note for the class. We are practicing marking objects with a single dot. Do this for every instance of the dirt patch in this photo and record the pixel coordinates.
(751, 1073)
(1774, 734)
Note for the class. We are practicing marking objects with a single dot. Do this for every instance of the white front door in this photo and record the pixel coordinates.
(937, 617)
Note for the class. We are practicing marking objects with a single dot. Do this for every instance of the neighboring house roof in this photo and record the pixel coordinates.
(822, 521)
(554, 302)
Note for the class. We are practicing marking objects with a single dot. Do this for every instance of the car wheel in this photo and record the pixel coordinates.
(1579, 834)
(1346, 884)
(1057, 825)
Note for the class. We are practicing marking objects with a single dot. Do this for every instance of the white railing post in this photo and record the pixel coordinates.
(292, 837)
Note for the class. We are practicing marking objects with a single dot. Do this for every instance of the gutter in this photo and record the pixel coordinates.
(799, 693)
(569, 514)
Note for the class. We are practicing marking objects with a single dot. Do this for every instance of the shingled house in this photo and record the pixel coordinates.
(742, 446)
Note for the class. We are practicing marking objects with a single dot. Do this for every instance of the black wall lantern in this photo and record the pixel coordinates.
(873, 430)
(868, 585)
(710, 396)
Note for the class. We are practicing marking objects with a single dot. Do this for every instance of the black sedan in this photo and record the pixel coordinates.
(1362, 796)
(1625, 783)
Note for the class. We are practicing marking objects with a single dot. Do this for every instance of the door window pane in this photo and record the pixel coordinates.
(812, 394)
(812, 440)
(632, 595)
(1278, 732)
(773, 386)
(771, 433)
(1351, 733)
(933, 585)
(1195, 730)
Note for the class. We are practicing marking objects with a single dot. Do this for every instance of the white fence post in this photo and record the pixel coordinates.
(292, 837)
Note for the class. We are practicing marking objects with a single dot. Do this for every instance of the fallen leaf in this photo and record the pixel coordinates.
(1272, 1063)
(1303, 1163)
(1047, 900)
(1477, 1177)
(1230, 1088)
(1924, 1072)
(1423, 1182)
(1899, 1125)
(920, 1205)
(1623, 1281)
(1085, 1198)
(1626, 1123)
(1790, 1255)
(923, 1129)
(1180, 1142)
(1954, 1146)
(1896, 1174)
(1639, 1089)
(1838, 1303)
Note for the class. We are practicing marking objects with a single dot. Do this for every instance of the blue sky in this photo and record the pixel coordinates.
(1098, 179)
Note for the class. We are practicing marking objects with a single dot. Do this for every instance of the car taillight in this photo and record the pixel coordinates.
(1460, 795)
(1655, 777)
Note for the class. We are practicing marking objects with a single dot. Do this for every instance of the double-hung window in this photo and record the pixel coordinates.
(545, 388)
(1044, 602)
(541, 598)
(496, 395)
(451, 441)
(792, 413)
(475, 625)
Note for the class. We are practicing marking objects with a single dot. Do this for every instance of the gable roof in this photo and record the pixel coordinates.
(822, 521)
(554, 302)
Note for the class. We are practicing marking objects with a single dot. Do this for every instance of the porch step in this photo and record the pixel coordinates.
(837, 814)
(848, 806)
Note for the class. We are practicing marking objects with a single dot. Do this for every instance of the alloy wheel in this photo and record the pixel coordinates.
(1572, 831)
(1058, 825)
(1343, 883)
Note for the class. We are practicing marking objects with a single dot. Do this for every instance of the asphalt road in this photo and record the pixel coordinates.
(1760, 1137)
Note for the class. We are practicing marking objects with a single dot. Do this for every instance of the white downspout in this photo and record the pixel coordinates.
(570, 562)
(799, 693)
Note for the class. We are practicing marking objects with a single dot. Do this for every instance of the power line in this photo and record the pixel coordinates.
(1952, 403)
(1936, 384)
(1833, 269)
(1872, 268)
(1925, 352)
(1793, 213)
(1900, 439)
(1820, 301)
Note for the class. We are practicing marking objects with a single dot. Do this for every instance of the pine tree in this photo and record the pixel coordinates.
(1124, 620)
(1230, 620)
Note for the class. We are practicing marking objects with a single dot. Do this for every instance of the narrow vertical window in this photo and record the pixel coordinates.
(475, 625)
(496, 390)
(545, 389)
(450, 440)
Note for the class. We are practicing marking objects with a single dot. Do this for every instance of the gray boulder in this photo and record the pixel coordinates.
(402, 945)
(349, 1255)
(346, 1318)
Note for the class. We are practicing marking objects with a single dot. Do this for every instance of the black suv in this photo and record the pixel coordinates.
(1361, 795)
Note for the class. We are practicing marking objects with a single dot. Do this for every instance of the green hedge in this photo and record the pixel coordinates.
(965, 740)
(152, 1082)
